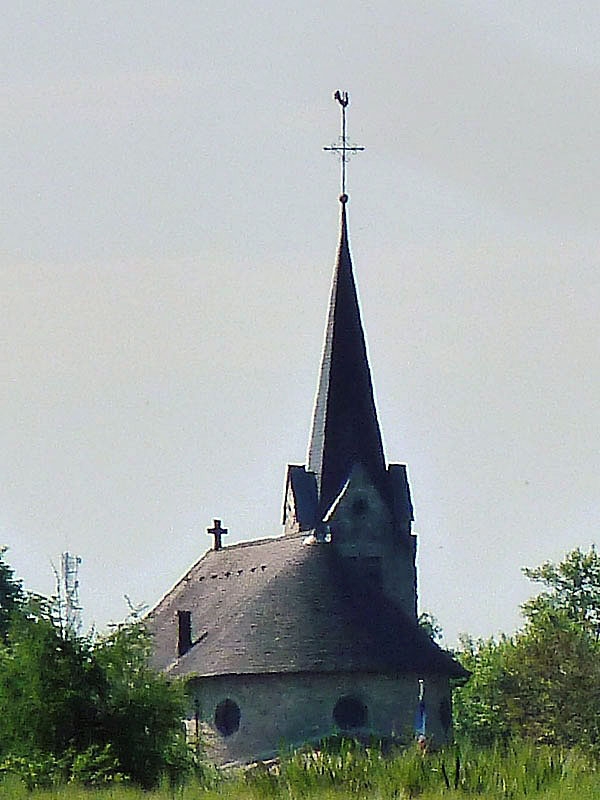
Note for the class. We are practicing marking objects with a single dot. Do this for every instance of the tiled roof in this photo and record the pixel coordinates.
(279, 605)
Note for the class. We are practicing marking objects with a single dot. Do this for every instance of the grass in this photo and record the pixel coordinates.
(346, 770)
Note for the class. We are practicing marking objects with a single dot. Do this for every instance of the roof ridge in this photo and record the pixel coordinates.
(226, 548)
(253, 542)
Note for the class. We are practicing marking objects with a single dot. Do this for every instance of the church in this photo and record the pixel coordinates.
(289, 639)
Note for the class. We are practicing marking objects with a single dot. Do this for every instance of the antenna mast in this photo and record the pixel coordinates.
(69, 591)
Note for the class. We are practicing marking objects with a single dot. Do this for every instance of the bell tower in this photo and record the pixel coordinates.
(345, 496)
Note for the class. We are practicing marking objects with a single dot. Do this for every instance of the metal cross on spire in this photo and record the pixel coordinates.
(342, 146)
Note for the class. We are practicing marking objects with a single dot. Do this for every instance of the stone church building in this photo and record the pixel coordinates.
(289, 639)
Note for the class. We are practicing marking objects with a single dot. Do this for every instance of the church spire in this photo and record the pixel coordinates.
(345, 457)
(345, 430)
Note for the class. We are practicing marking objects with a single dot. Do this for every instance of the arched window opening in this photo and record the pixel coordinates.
(350, 713)
(227, 717)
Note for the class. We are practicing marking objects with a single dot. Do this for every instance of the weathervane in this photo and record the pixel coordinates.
(342, 146)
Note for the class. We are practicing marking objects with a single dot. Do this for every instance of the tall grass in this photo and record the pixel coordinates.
(509, 772)
(348, 770)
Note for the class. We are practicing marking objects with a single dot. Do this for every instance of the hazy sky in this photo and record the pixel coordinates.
(168, 230)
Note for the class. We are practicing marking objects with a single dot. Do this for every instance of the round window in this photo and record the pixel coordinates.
(349, 713)
(227, 717)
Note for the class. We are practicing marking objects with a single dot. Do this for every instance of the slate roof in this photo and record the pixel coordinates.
(304, 487)
(280, 605)
(345, 429)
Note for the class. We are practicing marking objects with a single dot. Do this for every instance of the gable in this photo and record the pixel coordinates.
(359, 520)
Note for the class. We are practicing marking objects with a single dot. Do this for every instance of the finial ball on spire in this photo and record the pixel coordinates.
(343, 199)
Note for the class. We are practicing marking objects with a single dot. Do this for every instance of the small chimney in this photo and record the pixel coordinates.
(184, 632)
(217, 531)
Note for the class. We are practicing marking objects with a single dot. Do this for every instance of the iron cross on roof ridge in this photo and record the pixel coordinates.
(343, 147)
(217, 531)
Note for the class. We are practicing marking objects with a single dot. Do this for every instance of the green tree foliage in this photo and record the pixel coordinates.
(143, 708)
(11, 594)
(543, 683)
(552, 683)
(51, 692)
(572, 589)
(430, 625)
(479, 705)
(75, 704)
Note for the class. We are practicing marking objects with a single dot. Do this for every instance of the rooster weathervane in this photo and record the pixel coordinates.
(342, 146)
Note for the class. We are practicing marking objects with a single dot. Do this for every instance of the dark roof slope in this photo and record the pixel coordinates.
(345, 429)
(279, 605)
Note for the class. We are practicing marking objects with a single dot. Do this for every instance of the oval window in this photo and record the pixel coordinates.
(349, 713)
(227, 717)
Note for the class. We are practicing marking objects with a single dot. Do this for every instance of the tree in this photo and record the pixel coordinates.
(480, 704)
(51, 689)
(431, 626)
(11, 594)
(551, 687)
(543, 683)
(76, 704)
(572, 588)
(144, 709)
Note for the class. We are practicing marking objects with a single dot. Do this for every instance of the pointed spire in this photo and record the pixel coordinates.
(345, 429)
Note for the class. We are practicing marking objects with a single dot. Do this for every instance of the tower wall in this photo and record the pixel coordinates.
(375, 550)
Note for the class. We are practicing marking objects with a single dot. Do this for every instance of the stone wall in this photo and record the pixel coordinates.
(288, 709)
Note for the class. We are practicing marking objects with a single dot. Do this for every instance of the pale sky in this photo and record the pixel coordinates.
(169, 224)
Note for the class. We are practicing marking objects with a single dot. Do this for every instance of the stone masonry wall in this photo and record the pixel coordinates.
(288, 709)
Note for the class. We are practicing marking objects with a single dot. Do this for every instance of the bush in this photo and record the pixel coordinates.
(96, 766)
